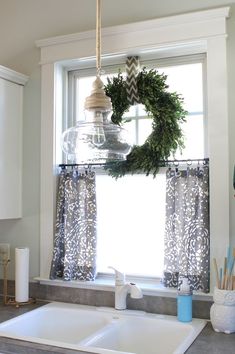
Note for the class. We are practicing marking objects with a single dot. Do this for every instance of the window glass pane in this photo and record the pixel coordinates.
(84, 86)
(187, 81)
(141, 110)
(131, 129)
(193, 138)
(131, 220)
(131, 112)
(145, 129)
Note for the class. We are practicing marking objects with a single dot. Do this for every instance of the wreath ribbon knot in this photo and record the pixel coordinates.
(132, 69)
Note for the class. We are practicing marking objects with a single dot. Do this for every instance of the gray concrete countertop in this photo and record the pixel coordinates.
(208, 342)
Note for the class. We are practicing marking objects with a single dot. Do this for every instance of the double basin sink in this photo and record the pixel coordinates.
(103, 330)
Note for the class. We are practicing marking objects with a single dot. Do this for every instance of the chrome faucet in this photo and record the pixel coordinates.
(122, 289)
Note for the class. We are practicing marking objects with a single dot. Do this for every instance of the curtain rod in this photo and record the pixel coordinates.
(164, 162)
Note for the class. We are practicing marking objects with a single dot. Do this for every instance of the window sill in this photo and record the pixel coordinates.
(106, 284)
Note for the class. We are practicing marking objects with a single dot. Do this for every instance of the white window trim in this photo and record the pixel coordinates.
(198, 32)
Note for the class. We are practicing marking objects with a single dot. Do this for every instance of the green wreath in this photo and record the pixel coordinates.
(164, 107)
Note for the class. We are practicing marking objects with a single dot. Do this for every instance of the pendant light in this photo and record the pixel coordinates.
(97, 139)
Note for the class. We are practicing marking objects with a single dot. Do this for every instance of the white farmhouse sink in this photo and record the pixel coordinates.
(103, 330)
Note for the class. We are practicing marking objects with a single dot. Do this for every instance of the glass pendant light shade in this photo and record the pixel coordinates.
(97, 139)
(95, 143)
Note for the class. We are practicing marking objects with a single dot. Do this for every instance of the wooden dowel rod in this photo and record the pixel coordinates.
(225, 271)
(216, 273)
(233, 287)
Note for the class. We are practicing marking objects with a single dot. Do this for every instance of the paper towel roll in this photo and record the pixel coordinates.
(21, 274)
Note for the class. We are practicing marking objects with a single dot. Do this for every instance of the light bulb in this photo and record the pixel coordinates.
(96, 117)
(98, 135)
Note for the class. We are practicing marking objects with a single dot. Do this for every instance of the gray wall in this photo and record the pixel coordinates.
(25, 21)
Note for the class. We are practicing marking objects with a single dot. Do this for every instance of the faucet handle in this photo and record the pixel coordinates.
(135, 291)
(119, 276)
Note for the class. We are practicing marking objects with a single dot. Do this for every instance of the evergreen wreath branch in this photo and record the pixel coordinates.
(164, 107)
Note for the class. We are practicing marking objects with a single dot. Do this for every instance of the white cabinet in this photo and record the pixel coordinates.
(11, 114)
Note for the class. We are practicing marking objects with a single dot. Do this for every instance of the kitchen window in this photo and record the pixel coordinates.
(131, 210)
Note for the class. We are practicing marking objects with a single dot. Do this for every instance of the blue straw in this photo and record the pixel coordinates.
(229, 255)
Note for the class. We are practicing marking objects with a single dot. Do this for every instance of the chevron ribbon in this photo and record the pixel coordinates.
(132, 67)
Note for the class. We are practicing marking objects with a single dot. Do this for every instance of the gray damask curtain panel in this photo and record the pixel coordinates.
(187, 228)
(74, 256)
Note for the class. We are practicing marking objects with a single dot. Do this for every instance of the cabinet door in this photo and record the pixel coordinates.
(11, 97)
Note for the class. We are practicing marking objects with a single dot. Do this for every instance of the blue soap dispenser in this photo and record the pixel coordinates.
(184, 302)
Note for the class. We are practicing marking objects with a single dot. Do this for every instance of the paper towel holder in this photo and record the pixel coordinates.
(9, 300)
